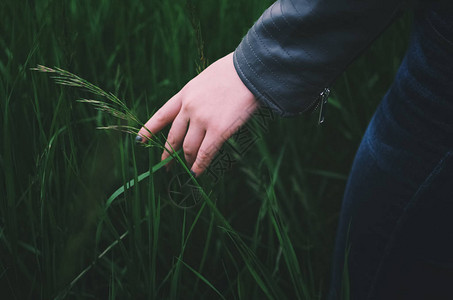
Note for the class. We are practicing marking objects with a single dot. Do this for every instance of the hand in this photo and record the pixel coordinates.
(205, 113)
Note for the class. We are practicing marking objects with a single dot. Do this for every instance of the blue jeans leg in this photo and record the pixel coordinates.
(395, 235)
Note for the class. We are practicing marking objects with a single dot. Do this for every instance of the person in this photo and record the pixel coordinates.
(395, 234)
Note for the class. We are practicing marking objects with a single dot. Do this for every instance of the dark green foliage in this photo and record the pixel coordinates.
(85, 214)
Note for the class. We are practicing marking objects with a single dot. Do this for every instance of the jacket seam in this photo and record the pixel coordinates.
(265, 82)
(281, 47)
(324, 49)
(276, 61)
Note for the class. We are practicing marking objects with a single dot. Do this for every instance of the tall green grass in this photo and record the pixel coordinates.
(86, 214)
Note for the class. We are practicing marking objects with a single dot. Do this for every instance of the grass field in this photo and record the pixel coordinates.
(86, 214)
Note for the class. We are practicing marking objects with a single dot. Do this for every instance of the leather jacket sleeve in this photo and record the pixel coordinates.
(297, 48)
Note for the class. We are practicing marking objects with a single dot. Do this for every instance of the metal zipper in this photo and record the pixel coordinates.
(322, 102)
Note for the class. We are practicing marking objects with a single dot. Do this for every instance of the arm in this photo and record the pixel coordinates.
(288, 57)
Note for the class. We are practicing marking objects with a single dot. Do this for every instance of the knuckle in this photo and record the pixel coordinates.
(188, 150)
(170, 140)
(215, 147)
(159, 117)
(204, 155)
(189, 106)
(199, 118)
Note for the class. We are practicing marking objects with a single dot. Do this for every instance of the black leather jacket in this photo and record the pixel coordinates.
(297, 48)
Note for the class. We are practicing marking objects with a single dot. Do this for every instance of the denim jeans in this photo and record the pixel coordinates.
(395, 236)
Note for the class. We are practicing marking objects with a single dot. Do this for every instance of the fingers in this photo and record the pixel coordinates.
(192, 142)
(209, 147)
(160, 119)
(175, 135)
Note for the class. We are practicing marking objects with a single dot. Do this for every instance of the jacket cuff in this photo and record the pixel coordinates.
(252, 71)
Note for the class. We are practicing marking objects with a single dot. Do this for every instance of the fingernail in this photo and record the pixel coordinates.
(193, 173)
(138, 139)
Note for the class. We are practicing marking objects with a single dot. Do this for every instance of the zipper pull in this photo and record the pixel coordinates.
(323, 97)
